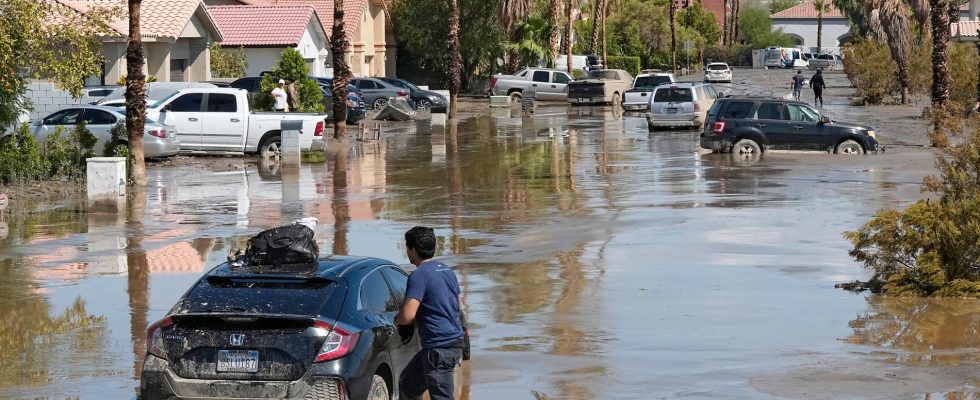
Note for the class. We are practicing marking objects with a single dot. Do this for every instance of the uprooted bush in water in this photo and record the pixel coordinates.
(931, 248)
(62, 156)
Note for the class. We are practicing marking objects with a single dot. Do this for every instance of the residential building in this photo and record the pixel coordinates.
(265, 31)
(367, 24)
(968, 28)
(800, 22)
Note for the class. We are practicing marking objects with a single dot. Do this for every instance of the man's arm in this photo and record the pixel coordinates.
(406, 316)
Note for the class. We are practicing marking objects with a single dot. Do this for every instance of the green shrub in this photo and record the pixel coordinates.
(629, 64)
(291, 67)
(67, 153)
(116, 145)
(22, 158)
(63, 155)
(228, 63)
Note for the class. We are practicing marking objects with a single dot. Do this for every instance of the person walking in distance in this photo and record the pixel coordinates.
(291, 97)
(797, 84)
(432, 303)
(816, 82)
(279, 97)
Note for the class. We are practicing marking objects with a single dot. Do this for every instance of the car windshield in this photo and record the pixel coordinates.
(651, 81)
(717, 67)
(157, 103)
(603, 74)
(673, 95)
(407, 85)
(826, 57)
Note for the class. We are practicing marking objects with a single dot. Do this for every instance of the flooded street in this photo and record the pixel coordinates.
(596, 260)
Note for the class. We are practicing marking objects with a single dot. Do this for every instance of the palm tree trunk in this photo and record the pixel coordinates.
(724, 34)
(940, 58)
(339, 47)
(455, 59)
(596, 15)
(735, 12)
(555, 31)
(568, 38)
(605, 60)
(135, 97)
(673, 37)
(819, 29)
(978, 72)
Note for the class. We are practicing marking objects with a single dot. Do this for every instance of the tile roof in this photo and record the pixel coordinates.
(966, 29)
(806, 10)
(353, 11)
(158, 18)
(263, 25)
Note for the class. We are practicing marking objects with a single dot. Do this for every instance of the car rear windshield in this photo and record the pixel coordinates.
(258, 295)
(673, 95)
(651, 81)
(717, 67)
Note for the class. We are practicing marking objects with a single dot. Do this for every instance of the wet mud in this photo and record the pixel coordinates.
(597, 260)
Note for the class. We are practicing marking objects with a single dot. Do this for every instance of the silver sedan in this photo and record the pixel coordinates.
(158, 140)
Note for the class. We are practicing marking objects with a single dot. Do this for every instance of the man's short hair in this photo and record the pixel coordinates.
(423, 240)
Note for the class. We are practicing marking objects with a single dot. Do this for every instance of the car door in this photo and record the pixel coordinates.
(185, 113)
(772, 118)
(408, 343)
(369, 91)
(223, 125)
(559, 86)
(541, 85)
(380, 307)
(100, 123)
(809, 133)
(65, 119)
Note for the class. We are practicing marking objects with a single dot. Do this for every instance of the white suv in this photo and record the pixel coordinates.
(718, 72)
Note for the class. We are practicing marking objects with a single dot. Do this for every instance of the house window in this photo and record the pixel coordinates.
(178, 69)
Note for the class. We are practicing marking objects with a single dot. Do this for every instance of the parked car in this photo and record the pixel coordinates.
(251, 84)
(601, 86)
(638, 97)
(752, 125)
(683, 104)
(546, 84)
(376, 92)
(158, 141)
(97, 93)
(324, 334)
(420, 98)
(718, 72)
(220, 120)
(154, 91)
(827, 62)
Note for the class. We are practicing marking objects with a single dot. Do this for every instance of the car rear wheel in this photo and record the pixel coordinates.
(849, 147)
(516, 97)
(379, 389)
(423, 104)
(379, 103)
(617, 100)
(271, 147)
(746, 148)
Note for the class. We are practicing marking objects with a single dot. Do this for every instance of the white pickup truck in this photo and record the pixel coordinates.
(218, 120)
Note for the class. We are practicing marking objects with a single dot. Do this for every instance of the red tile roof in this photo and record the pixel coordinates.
(353, 11)
(158, 18)
(806, 10)
(966, 29)
(262, 25)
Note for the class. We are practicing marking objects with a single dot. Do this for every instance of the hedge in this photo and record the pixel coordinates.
(629, 64)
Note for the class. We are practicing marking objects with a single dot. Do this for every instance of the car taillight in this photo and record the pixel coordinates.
(338, 343)
(493, 81)
(401, 93)
(318, 131)
(718, 128)
(160, 133)
(697, 107)
(154, 337)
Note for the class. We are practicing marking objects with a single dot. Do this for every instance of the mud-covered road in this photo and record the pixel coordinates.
(597, 260)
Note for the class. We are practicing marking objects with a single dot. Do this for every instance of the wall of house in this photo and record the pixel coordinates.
(314, 48)
(261, 59)
(807, 30)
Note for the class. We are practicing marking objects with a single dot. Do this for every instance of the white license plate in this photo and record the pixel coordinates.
(238, 361)
(671, 111)
(584, 99)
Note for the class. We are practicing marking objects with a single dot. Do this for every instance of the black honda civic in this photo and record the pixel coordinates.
(322, 332)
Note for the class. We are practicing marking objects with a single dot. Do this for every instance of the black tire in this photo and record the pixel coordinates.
(379, 389)
(423, 104)
(617, 100)
(849, 147)
(516, 97)
(271, 147)
(379, 103)
(746, 148)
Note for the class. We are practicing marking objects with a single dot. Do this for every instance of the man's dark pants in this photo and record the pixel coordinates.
(432, 370)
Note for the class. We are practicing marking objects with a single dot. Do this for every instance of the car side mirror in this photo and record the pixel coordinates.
(824, 120)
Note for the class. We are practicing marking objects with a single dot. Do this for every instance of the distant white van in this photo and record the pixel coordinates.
(578, 62)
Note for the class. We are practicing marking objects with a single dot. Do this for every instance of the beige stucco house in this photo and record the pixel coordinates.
(263, 32)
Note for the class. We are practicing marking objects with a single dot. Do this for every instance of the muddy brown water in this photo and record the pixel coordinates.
(596, 260)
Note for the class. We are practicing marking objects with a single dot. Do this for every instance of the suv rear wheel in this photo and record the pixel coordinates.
(849, 147)
(746, 147)
(379, 389)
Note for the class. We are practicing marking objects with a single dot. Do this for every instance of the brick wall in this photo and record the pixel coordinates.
(47, 98)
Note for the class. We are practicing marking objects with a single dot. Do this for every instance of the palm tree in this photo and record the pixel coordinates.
(724, 35)
(735, 12)
(455, 63)
(510, 12)
(135, 97)
(529, 34)
(940, 57)
(821, 6)
(892, 20)
(339, 46)
(673, 36)
(568, 38)
(555, 31)
(596, 19)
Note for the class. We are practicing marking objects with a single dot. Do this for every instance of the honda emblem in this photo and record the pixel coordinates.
(236, 339)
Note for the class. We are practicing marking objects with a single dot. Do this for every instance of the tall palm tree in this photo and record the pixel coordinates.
(735, 16)
(672, 11)
(135, 97)
(940, 57)
(555, 31)
(455, 63)
(510, 13)
(724, 35)
(892, 20)
(596, 20)
(339, 46)
(530, 33)
(568, 38)
(821, 6)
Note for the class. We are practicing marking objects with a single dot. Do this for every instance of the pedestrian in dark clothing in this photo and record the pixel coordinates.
(432, 304)
(797, 85)
(816, 82)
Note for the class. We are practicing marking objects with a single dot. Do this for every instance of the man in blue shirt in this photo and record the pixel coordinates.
(432, 304)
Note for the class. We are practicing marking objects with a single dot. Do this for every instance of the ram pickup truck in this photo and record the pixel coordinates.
(638, 98)
(546, 84)
(600, 87)
(218, 120)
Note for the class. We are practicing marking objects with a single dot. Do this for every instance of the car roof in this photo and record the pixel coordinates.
(718, 63)
(113, 110)
(655, 74)
(681, 84)
(762, 98)
(328, 267)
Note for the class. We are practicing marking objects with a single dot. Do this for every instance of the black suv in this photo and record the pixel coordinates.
(323, 333)
(752, 125)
